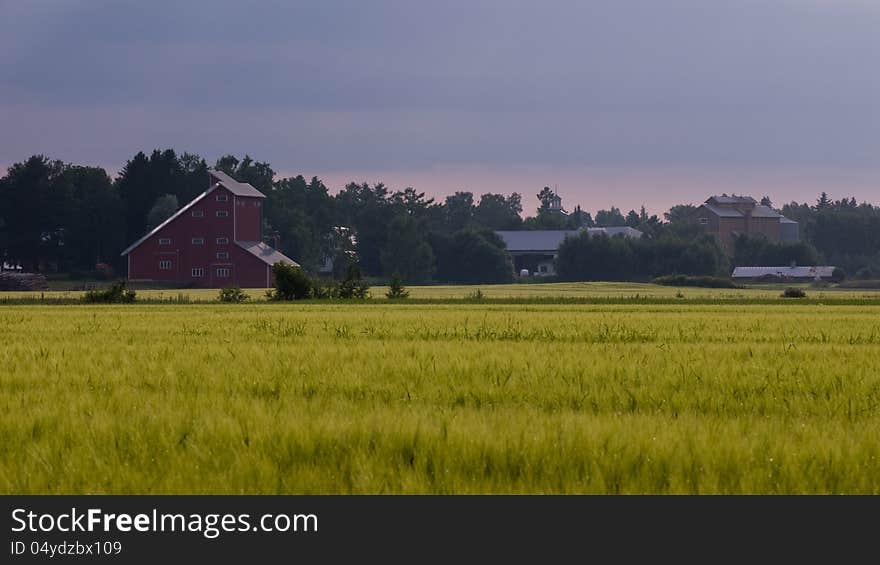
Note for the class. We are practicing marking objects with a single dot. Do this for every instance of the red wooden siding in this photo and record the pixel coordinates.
(248, 218)
(192, 244)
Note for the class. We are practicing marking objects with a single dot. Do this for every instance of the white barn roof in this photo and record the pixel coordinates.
(788, 272)
(233, 186)
(267, 254)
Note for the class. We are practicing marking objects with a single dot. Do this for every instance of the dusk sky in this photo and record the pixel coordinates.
(624, 102)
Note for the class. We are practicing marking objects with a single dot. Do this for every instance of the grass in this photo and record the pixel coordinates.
(441, 398)
(559, 292)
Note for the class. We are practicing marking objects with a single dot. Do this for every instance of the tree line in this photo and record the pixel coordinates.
(64, 217)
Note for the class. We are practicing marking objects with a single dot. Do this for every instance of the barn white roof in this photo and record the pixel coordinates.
(788, 272)
(268, 255)
(235, 187)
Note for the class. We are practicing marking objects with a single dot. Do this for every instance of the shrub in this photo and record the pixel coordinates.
(838, 275)
(769, 278)
(116, 293)
(323, 290)
(706, 281)
(232, 294)
(864, 274)
(476, 295)
(352, 286)
(792, 292)
(867, 284)
(396, 291)
(291, 282)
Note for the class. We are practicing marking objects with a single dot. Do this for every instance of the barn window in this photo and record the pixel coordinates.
(704, 221)
(222, 198)
(257, 203)
(223, 273)
(164, 241)
(222, 240)
(198, 241)
(222, 213)
(165, 265)
(198, 272)
(222, 255)
(198, 214)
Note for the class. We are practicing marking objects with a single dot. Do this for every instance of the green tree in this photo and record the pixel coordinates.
(757, 250)
(396, 290)
(579, 219)
(407, 250)
(680, 213)
(94, 223)
(472, 256)
(632, 219)
(144, 179)
(34, 201)
(164, 207)
(367, 211)
(459, 210)
(585, 257)
(303, 215)
(546, 198)
(497, 212)
(257, 174)
(610, 218)
(291, 282)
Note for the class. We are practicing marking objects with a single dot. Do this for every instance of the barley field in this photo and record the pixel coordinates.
(440, 398)
(560, 291)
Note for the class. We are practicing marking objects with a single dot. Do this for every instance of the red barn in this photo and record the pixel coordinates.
(214, 241)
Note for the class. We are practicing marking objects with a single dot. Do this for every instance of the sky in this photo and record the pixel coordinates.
(612, 102)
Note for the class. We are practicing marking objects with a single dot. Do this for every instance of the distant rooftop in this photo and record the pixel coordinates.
(759, 211)
(548, 241)
(233, 186)
(267, 254)
(787, 272)
(731, 200)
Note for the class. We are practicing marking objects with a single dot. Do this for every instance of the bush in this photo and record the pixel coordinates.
(323, 290)
(838, 275)
(705, 282)
(792, 292)
(232, 294)
(352, 286)
(865, 274)
(864, 285)
(291, 283)
(396, 290)
(770, 278)
(116, 293)
(476, 295)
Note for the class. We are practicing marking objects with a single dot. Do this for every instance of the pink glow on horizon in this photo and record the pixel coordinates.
(595, 188)
(600, 188)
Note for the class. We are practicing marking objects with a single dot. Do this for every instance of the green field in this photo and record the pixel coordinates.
(560, 291)
(443, 398)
